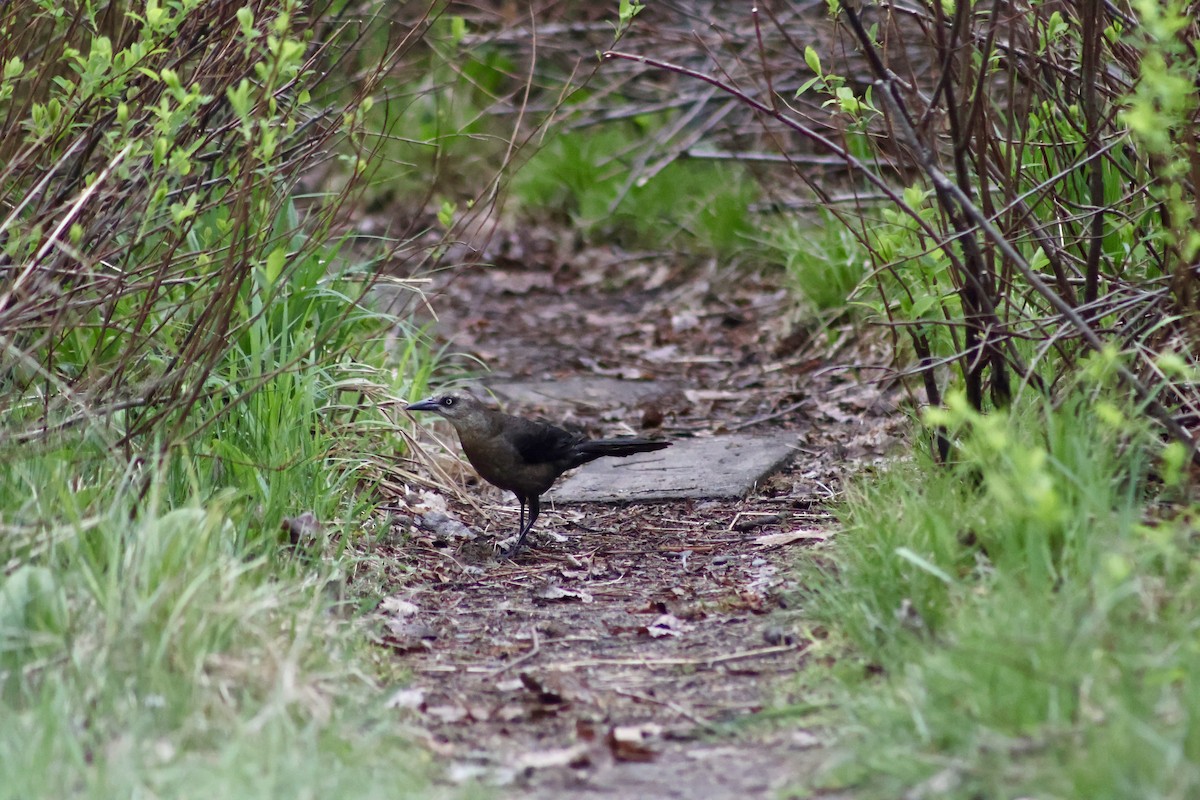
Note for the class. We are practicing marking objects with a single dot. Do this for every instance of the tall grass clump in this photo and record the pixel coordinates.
(1031, 619)
(582, 178)
(189, 357)
(823, 262)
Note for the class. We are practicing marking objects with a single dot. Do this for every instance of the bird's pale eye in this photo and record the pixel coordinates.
(447, 401)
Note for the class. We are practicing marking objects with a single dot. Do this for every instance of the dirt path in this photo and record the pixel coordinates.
(627, 654)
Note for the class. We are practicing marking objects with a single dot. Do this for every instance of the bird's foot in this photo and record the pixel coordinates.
(509, 553)
(509, 546)
(513, 545)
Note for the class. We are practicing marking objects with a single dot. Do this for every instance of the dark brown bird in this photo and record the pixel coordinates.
(523, 456)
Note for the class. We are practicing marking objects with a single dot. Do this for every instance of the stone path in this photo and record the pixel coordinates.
(717, 467)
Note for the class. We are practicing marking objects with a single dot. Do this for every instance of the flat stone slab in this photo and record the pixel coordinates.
(690, 469)
(592, 391)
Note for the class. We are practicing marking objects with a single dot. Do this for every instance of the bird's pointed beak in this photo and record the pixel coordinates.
(428, 404)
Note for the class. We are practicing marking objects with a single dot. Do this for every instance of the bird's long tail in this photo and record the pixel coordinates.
(621, 447)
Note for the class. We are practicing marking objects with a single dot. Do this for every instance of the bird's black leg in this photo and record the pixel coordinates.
(534, 508)
(512, 551)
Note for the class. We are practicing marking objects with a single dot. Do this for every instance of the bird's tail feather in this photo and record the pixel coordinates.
(620, 448)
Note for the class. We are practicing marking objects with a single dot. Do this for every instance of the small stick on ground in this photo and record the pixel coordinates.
(673, 662)
(521, 659)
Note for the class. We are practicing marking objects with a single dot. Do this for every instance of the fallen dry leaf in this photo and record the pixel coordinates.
(398, 606)
(545, 690)
(447, 713)
(805, 740)
(444, 526)
(665, 625)
(409, 697)
(518, 283)
(406, 636)
(551, 592)
(577, 755)
(770, 540)
(469, 771)
(301, 528)
(630, 742)
(651, 606)
(509, 685)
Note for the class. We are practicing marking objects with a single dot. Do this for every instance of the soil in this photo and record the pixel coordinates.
(634, 651)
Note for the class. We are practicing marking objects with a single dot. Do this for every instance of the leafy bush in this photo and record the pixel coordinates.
(188, 355)
(1025, 192)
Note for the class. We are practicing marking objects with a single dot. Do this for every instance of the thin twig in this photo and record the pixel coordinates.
(533, 651)
(655, 663)
(766, 417)
(678, 709)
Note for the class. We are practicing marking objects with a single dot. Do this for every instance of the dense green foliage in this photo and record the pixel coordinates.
(188, 356)
(584, 178)
(1033, 624)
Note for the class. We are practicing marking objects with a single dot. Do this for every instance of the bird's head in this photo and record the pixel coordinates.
(451, 406)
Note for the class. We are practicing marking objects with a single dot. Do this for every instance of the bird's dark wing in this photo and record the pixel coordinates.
(539, 443)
